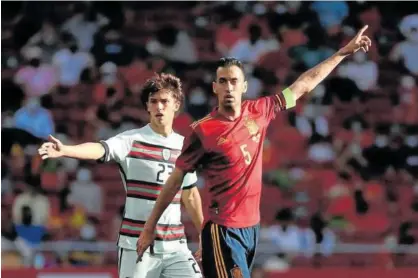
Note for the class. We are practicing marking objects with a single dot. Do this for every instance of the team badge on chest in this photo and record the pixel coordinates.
(166, 154)
(253, 129)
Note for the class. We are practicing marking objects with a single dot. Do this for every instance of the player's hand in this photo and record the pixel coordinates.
(198, 253)
(145, 240)
(358, 42)
(51, 149)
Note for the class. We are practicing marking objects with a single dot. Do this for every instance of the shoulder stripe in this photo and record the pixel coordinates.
(204, 119)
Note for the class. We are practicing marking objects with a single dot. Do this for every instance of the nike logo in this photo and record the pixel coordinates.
(222, 140)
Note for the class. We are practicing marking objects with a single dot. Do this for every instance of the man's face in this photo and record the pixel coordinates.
(162, 107)
(229, 86)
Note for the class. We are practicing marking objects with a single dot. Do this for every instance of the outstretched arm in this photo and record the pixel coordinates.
(311, 78)
(54, 149)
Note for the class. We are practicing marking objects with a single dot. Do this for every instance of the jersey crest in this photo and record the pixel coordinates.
(253, 129)
(166, 154)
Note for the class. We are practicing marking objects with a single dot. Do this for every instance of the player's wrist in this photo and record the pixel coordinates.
(64, 150)
(342, 52)
(149, 227)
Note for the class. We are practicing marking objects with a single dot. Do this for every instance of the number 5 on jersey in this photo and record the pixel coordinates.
(246, 154)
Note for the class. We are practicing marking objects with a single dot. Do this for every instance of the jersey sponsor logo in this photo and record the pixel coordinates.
(236, 272)
(253, 129)
(166, 154)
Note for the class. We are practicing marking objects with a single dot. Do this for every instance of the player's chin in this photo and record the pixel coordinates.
(228, 102)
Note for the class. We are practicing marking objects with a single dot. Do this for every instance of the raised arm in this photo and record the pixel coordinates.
(311, 78)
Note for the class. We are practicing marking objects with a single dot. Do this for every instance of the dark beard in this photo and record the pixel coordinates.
(228, 107)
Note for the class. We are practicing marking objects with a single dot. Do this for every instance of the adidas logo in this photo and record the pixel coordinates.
(222, 140)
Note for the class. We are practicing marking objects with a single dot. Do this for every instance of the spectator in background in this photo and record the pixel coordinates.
(71, 62)
(343, 90)
(136, 73)
(173, 45)
(110, 89)
(86, 193)
(320, 149)
(251, 49)
(83, 25)
(30, 215)
(349, 143)
(227, 35)
(331, 13)
(35, 119)
(6, 181)
(36, 78)
(408, 152)
(361, 70)
(315, 51)
(404, 234)
(197, 102)
(285, 236)
(113, 48)
(314, 117)
(354, 129)
(379, 155)
(407, 50)
(407, 108)
(318, 238)
(88, 234)
(47, 39)
(414, 204)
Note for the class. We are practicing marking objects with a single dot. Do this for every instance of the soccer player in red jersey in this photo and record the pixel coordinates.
(227, 147)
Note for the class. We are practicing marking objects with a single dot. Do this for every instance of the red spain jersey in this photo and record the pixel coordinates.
(229, 156)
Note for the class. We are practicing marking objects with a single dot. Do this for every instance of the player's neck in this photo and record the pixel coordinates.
(231, 113)
(163, 130)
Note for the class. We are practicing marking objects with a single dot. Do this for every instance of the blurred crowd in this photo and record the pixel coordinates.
(342, 167)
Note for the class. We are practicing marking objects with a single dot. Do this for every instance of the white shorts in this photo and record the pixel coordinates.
(178, 264)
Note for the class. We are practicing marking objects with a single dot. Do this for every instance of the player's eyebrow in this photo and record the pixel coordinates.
(158, 99)
(225, 79)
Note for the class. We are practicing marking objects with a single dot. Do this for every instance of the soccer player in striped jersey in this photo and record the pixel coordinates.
(227, 146)
(146, 157)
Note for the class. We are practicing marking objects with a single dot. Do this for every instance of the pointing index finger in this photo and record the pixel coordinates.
(360, 33)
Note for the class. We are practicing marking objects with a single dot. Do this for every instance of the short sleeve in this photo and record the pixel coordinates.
(116, 148)
(191, 153)
(270, 105)
(189, 181)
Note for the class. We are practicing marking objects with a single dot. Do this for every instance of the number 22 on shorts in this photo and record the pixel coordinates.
(246, 154)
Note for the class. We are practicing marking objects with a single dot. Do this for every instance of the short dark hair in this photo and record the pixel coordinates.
(159, 82)
(229, 62)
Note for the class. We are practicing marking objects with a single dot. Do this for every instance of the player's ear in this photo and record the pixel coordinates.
(214, 87)
(245, 87)
(177, 106)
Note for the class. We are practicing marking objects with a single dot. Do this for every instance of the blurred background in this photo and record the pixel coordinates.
(340, 174)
